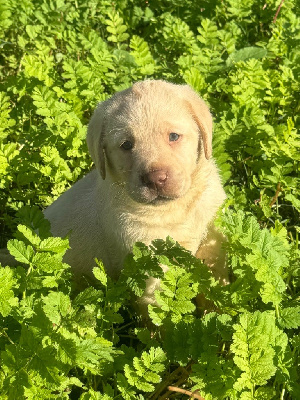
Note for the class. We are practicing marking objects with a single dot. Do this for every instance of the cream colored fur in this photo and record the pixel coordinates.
(111, 208)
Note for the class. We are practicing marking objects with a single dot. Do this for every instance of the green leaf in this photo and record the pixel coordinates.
(7, 298)
(265, 393)
(290, 317)
(20, 251)
(294, 200)
(128, 392)
(88, 296)
(245, 54)
(48, 262)
(6, 121)
(34, 218)
(93, 395)
(31, 236)
(253, 349)
(56, 306)
(44, 101)
(99, 273)
(55, 245)
(91, 353)
(145, 370)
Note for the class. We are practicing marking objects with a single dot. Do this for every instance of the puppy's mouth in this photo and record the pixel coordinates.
(157, 187)
(152, 197)
(161, 199)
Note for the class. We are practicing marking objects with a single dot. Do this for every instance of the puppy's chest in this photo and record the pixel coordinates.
(186, 229)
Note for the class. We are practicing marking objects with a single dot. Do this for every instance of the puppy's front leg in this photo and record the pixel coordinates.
(214, 256)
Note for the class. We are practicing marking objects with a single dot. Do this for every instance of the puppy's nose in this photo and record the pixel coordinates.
(155, 179)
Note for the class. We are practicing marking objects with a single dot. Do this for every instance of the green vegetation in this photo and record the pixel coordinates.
(58, 59)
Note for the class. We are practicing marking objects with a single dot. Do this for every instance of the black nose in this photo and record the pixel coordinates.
(155, 179)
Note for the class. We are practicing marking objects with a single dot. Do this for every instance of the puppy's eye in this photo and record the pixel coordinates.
(173, 137)
(127, 145)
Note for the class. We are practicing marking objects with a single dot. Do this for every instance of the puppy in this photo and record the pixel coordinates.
(154, 177)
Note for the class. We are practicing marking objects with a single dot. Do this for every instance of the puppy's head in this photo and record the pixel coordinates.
(149, 139)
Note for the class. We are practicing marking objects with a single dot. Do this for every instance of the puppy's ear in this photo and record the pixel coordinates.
(95, 138)
(203, 118)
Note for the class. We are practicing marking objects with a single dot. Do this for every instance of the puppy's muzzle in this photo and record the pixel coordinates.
(155, 179)
(158, 184)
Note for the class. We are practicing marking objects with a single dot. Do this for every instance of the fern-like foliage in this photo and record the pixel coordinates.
(146, 370)
(59, 58)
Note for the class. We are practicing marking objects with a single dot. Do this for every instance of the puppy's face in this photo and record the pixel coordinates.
(150, 140)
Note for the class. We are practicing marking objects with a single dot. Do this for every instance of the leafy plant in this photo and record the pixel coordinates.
(246, 350)
(58, 59)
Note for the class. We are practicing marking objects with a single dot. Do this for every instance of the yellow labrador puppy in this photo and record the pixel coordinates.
(154, 177)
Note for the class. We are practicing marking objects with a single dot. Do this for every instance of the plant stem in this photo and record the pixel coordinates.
(278, 189)
(282, 393)
(187, 392)
(277, 12)
(277, 311)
